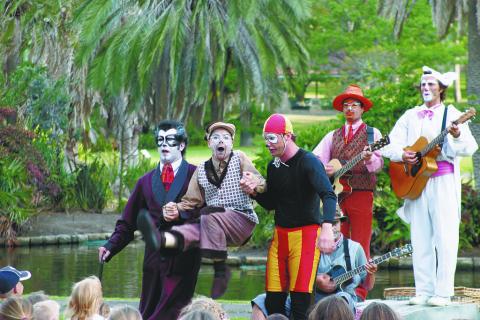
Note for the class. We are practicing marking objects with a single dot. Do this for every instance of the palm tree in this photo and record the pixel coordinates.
(175, 56)
(444, 13)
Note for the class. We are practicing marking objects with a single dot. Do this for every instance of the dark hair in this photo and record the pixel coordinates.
(379, 311)
(181, 135)
(331, 308)
(443, 88)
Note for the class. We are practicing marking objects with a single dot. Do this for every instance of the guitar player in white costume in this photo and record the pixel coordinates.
(435, 215)
(324, 284)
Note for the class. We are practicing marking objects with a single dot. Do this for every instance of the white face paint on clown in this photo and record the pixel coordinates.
(430, 89)
(169, 148)
(221, 144)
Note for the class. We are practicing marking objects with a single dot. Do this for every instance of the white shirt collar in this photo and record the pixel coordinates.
(175, 166)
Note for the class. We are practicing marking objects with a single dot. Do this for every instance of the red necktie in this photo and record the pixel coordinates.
(167, 176)
(349, 135)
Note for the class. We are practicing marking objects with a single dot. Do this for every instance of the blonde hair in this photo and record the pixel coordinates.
(125, 312)
(15, 308)
(46, 310)
(85, 299)
(204, 304)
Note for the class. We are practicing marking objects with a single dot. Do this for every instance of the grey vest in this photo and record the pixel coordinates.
(229, 195)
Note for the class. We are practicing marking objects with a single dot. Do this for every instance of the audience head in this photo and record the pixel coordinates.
(379, 311)
(15, 308)
(11, 281)
(277, 316)
(331, 308)
(85, 299)
(36, 297)
(125, 312)
(204, 304)
(46, 310)
(198, 315)
(104, 310)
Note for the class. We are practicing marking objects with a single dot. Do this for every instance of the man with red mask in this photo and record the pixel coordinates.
(296, 181)
(344, 144)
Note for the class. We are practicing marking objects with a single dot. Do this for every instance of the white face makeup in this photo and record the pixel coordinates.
(430, 89)
(169, 148)
(221, 144)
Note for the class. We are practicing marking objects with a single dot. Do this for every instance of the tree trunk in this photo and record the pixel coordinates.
(475, 128)
(246, 138)
(473, 76)
(215, 111)
(12, 57)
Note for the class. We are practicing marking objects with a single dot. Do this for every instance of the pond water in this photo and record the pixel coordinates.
(55, 268)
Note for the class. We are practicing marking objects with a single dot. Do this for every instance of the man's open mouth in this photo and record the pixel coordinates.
(220, 149)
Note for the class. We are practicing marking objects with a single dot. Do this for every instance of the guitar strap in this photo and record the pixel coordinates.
(346, 252)
(370, 134)
(444, 123)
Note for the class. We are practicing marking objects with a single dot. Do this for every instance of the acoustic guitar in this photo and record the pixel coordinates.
(341, 183)
(340, 276)
(409, 180)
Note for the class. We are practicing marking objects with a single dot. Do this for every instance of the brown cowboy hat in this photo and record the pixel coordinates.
(355, 92)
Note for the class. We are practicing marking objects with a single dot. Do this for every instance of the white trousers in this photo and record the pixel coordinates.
(434, 232)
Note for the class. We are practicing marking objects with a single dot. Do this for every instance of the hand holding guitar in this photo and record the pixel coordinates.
(325, 283)
(367, 154)
(454, 130)
(410, 157)
(371, 267)
(329, 169)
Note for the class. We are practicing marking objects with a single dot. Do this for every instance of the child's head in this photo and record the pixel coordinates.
(125, 312)
(86, 298)
(378, 311)
(204, 304)
(46, 310)
(15, 308)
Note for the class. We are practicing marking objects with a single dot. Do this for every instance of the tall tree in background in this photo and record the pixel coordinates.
(444, 14)
(175, 55)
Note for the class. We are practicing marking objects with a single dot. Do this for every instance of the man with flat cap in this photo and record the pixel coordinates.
(227, 217)
(11, 281)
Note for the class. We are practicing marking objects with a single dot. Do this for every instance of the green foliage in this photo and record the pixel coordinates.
(92, 186)
(470, 224)
(133, 173)
(15, 193)
(46, 101)
(147, 141)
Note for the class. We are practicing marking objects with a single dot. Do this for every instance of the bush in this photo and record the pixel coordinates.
(15, 196)
(470, 224)
(92, 189)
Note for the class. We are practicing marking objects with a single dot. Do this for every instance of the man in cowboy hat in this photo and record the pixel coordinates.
(343, 144)
(324, 284)
(226, 217)
(434, 216)
(296, 182)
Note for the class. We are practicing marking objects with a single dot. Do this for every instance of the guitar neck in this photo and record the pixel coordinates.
(350, 274)
(348, 166)
(438, 139)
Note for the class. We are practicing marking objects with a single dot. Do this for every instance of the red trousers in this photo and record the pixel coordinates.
(358, 207)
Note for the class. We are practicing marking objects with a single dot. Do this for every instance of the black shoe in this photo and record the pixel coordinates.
(220, 284)
(151, 235)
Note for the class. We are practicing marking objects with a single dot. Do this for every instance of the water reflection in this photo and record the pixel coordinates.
(55, 269)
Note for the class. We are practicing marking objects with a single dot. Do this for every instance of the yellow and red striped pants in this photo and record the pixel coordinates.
(293, 259)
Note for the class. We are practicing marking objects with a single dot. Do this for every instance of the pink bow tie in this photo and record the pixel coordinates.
(425, 113)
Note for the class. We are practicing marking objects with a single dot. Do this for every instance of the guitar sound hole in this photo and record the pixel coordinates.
(415, 169)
